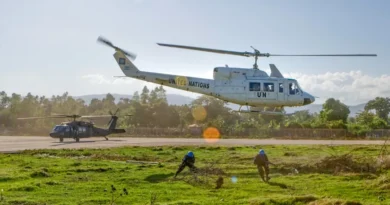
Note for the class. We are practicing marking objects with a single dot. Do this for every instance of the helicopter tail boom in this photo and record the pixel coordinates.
(192, 84)
(117, 131)
(197, 85)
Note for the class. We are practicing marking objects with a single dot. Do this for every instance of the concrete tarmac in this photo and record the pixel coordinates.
(11, 144)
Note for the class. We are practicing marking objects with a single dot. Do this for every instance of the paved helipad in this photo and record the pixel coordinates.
(18, 143)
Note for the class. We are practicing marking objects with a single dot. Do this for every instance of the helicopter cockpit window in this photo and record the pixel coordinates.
(254, 86)
(58, 128)
(293, 88)
(269, 87)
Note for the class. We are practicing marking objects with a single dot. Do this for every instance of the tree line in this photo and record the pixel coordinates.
(151, 109)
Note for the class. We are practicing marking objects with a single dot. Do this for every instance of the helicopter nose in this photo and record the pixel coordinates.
(308, 99)
(52, 134)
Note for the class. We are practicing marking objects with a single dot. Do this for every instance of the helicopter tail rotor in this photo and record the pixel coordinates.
(108, 43)
(114, 117)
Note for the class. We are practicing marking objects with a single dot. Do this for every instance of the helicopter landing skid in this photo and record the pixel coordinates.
(239, 109)
(260, 111)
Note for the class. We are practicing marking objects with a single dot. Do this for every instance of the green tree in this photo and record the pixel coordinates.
(161, 94)
(299, 119)
(371, 120)
(213, 106)
(95, 105)
(380, 105)
(185, 115)
(136, 97)
(109, 103)
(333, 110)
(153, 98)
(145, 95)
(4, 100)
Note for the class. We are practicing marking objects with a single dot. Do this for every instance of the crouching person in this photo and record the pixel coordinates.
(261, 160)
(188, 161)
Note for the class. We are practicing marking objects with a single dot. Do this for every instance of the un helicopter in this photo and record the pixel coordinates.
(77, 129)
(250, 87)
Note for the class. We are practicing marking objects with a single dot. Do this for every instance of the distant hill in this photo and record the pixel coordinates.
(175, 99)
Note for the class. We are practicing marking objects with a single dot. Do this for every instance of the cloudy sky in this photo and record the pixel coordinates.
(49, 47)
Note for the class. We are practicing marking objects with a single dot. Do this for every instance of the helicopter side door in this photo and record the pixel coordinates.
(82, 131)
(281, 91)
(67, 131)
(262, 91)
(254, 93)
(89, 128)
(294, 94)
(269, 87)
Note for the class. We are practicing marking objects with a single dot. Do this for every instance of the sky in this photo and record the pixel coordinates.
(49, 47)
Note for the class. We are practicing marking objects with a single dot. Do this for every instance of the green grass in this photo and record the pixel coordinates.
(85, 176)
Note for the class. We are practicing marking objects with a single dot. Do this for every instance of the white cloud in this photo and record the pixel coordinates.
(349, 87)
(97, 79)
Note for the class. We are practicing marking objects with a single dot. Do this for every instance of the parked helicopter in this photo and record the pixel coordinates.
(242, 86)
(77, 129)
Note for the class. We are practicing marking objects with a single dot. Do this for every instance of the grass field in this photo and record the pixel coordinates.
(302, 175)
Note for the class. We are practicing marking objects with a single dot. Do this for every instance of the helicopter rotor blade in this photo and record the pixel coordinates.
(246, 54)
(95, 116)
(106, 42)
(70, 116)
(101, 116)
(52, 116)
(333, 55)
(31, 118)
(255, 54)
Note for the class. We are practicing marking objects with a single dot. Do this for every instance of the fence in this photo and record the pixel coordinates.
(196, 132)
(258, 133)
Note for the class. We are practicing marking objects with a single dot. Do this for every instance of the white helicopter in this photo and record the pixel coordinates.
(253, 88)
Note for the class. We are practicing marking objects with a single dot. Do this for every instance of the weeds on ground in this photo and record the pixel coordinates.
(113, 192)
(225, 175)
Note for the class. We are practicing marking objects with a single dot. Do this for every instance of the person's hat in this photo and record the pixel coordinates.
(190, 154)
(261, 151)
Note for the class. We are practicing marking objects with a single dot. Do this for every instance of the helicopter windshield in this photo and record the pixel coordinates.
(59, 128)
(293, 88)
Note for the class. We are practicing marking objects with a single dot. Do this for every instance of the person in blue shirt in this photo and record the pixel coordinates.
(188, 160)
(261, 160)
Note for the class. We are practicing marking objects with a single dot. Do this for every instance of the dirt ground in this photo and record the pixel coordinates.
(9, 144)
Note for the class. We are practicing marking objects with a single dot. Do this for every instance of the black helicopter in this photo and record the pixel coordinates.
(77, 129)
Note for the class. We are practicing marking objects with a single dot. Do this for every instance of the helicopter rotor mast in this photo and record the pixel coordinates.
(258, 54)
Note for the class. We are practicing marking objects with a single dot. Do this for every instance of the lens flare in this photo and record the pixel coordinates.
(234, 179)
(211, 134)
(199, 113)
